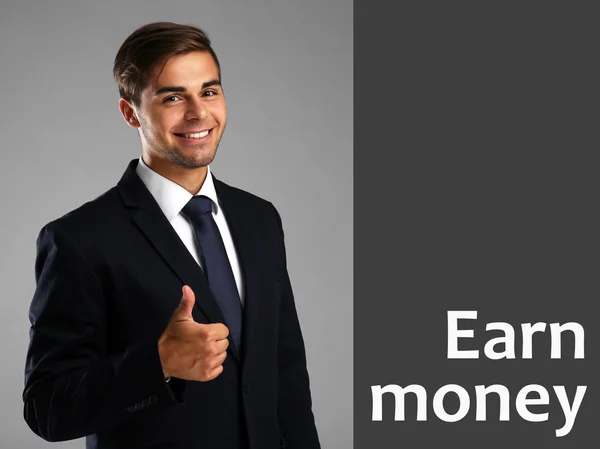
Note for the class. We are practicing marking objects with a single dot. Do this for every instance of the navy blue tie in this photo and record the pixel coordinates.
(216, 264)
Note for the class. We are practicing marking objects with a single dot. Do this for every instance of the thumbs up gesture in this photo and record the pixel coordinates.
(190, 350)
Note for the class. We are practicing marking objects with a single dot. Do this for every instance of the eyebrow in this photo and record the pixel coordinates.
(179, 89)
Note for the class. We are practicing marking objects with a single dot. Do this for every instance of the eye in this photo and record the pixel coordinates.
(171, 99)
(210, 93)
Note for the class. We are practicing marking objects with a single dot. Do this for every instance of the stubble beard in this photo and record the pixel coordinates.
(196, 159)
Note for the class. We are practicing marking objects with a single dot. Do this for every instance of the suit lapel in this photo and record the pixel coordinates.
(150, 220)
(239, 219)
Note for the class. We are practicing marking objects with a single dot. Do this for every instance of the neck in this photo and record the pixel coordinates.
(191, 179)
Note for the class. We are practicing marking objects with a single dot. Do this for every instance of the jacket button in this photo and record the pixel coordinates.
(246, 387)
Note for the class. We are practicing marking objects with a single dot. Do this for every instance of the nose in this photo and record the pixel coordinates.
(196, 110)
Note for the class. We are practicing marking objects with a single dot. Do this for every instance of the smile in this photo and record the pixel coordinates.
(200, 135)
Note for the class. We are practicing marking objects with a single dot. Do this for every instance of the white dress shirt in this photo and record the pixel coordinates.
(172, 198)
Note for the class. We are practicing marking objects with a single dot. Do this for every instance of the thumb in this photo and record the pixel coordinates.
(184, 310)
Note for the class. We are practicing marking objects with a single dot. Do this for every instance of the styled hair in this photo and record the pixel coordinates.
(152, 44)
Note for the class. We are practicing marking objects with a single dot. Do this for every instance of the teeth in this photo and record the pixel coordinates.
(196, 135)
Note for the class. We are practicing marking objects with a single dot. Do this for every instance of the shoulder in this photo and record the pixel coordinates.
(243, 199)
(251, 205)
(99, 214)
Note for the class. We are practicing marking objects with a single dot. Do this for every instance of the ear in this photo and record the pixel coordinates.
(128, 113)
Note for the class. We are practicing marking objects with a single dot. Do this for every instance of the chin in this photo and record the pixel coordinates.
(200, 160)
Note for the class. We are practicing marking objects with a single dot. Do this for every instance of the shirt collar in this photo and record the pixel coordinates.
(171, 197)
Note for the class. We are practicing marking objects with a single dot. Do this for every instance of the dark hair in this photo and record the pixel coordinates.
(150, 45)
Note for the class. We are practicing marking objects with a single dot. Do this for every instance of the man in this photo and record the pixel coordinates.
(163, 316)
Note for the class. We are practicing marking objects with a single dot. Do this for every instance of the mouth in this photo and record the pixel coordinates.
(195, 136)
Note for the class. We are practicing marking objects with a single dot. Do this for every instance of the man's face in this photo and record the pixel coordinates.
(182, 112)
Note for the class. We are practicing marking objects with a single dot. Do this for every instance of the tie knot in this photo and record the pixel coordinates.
(196, 207)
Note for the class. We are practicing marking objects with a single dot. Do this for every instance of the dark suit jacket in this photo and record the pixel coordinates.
(109, 276)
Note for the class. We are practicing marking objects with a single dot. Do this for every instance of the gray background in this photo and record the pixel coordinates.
(287, 75)
(485, 185)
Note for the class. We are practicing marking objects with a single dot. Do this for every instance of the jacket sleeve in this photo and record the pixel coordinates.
(296, 420)
(73, 386)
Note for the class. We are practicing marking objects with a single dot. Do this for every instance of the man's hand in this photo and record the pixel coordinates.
(190, 350)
